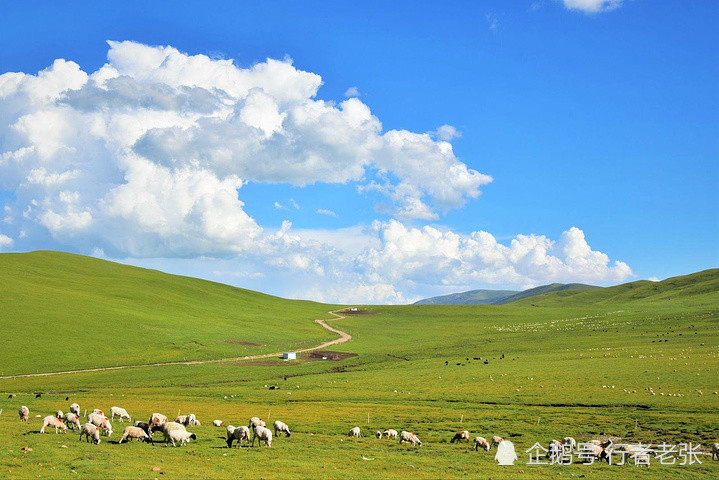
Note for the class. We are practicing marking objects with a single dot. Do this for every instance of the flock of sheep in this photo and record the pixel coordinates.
(173, 432)
(177, 434)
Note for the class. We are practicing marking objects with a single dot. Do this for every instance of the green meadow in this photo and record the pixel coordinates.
(636, 362)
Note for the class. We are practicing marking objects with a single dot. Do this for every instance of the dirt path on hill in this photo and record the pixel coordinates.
(343, 337)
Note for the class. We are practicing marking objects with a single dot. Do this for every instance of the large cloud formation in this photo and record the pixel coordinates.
(147, 156)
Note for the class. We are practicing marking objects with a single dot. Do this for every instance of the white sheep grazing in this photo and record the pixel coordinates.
(555, 450)
(218, 423)
(156, 422)
(282, 428)
(24, 413)
(481, 442)
(100, 421)
(378, 434)
(187, 420)
(462, 435)
(90, 431)
(180, 436)
(355, 432)
(264, 434)
(120, 412)
(409, 437)
(496, 440)
(59, 414)
(134, 432)
(170, 427)
(98, 412)
(715, 451)
(53, 421)
(240, 433)
(72, 421)
(569, 444)
(391, 433)
(256, 422)
(75, 408)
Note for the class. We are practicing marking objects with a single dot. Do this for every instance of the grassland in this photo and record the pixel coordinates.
(576, 363)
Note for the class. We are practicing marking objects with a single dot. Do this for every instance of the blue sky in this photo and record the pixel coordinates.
(602, 116)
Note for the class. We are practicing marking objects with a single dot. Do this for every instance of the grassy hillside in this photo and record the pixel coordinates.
(473, 297)
(697, 288)
(72, 311)
(638, 364)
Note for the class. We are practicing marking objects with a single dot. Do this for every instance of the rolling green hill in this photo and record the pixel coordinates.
(697, 289)
(68, 311)
(634, 363)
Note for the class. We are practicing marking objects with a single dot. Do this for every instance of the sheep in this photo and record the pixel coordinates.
(90, 430)
(569, 444)
(462, 435)
(155, 423)
(134, 432)
(256, 422)
(157, 420)
(378, 434)
(75, 408)
(59, 414)
(239, 433)
(170, 427)
(355, 432)
(390, 433)
(715, 451)
(496, 440)
(597, 450)
(72, 420)
(481, 442)
(555, 450)
(24, 413)
(180, 436)
(218, 423)
(282, 428)
(120, 412)
(187, 420)
(53, 421)
(409, 437)
(101, 422)
(97, 411)
(263, 434)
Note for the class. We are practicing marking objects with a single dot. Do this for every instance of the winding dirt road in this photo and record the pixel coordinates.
(343, 337)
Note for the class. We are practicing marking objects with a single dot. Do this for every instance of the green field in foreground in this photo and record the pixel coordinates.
(582, 364)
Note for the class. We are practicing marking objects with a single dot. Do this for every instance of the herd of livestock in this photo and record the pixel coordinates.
(175, 432)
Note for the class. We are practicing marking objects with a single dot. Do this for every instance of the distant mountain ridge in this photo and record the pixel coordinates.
(499, 297)
(473, 297)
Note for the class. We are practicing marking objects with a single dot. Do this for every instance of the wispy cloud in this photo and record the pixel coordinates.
(493, 21)
(329, 213)
(352, 92)
(592, 6)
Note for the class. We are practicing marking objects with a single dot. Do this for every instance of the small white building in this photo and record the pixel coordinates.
(289, 356)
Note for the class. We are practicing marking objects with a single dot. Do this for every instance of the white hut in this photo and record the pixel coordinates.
(289, 356)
